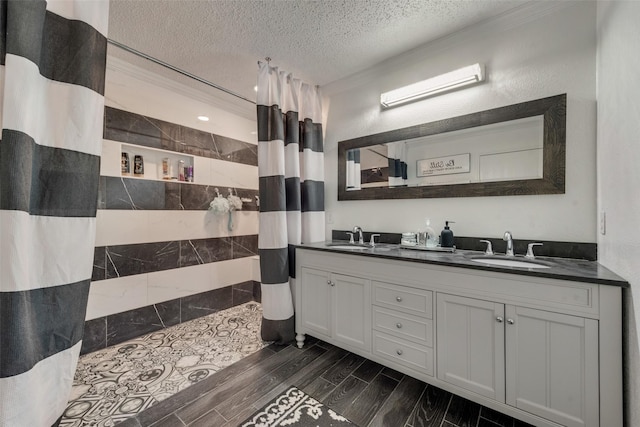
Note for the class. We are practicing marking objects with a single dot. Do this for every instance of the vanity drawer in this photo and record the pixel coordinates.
(403, 325)
(409, 300)
(403, 352)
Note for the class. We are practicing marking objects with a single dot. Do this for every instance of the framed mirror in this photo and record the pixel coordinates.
(514, 150)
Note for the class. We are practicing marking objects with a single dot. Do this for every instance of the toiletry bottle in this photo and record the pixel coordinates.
(165, 168)
(138, 165)
(125, 165)
(181, 171)
(446, 236)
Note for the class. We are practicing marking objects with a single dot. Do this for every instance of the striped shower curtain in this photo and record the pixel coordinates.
(354, 174)
(397, 157)
(291, 171)
(52, 73)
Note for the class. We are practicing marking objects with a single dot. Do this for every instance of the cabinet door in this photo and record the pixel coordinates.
(315, 286)
(352, 311)
(552, 365)
(470, 344)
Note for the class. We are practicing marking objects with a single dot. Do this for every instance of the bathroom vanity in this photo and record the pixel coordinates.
(543, 345)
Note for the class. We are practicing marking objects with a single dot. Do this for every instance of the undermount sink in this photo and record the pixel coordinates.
(510, 262)
(349, 247)
(382, 247)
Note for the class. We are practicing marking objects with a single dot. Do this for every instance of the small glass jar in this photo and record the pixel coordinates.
(409, 239)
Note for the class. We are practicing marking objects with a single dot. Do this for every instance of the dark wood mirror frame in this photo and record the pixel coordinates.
(553, 109)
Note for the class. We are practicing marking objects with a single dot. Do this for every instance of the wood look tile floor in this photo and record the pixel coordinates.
(367, 393)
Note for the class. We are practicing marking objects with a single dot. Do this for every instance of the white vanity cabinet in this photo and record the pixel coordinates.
(552, 365)
(471, 345)
(335, 307)
(543, 350)
(542, 362)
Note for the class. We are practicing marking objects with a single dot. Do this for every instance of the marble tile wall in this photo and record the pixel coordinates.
(116, 328)
(161, 258)
(135, 194)
(136, 129)
(127, 260)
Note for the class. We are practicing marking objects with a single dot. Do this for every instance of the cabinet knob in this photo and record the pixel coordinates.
(499, 319)
(399, 352)
(511, 321)
(329, 282)
(399, 299)
(398, 325)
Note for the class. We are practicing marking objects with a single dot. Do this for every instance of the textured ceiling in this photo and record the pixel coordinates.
(319, 41)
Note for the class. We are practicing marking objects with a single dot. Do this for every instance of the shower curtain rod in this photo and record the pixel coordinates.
(269, 63)
(177, 70)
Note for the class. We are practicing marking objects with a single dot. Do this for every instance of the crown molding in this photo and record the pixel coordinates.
(223, 101)
(508, 20)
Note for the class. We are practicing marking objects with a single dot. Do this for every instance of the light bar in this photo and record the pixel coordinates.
(433, 86)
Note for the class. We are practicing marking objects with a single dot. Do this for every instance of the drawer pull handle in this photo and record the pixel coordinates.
(399, 351)
(399, 299)
(511, 321)
(398, 325)
(499, 319)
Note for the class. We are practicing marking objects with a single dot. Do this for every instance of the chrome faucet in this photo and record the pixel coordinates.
(358, 230)
(508, 238)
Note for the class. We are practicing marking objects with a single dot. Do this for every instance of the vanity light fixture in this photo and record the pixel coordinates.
(203, 118)
(444, 82)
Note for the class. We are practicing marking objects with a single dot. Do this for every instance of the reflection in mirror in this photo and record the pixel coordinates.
(376, 160)
(397, 164)
(514, 150)
(382, 165)
(505, 151)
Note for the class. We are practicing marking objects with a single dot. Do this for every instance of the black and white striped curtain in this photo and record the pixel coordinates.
(52, 74)
(354, 173)
(291, 170)
(397, 152)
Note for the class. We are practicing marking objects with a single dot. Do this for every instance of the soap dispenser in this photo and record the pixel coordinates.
(446, 236)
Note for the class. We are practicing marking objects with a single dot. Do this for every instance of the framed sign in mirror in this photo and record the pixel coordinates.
(518, 149)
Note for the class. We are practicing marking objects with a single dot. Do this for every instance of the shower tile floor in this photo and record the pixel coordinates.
(118, 382)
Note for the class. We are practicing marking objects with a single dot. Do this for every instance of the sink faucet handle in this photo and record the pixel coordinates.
(489, 250)
(351, 238)
(530, 250)
(372, 241)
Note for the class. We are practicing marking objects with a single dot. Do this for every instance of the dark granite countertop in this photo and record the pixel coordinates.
(560, 268)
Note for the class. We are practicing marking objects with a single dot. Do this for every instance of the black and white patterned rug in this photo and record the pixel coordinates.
(298, 409)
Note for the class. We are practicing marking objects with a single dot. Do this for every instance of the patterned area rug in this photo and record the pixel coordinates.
(295, 408)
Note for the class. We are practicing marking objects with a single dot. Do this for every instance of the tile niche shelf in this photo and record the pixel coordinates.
(152, 158)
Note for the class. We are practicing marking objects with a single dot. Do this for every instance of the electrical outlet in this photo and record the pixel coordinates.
(603, 223)
(329, 217)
